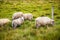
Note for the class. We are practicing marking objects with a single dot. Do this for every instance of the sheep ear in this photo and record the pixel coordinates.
(52, 21)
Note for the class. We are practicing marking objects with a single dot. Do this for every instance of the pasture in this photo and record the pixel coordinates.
(28, 31)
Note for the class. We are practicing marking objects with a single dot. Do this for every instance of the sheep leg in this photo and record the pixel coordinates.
(47, 27)
(37, 25)
(14, 25)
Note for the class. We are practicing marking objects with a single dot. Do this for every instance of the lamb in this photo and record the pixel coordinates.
(28, 16)
(4, 21)
(17, 22)
(17, 15)
(43, 21)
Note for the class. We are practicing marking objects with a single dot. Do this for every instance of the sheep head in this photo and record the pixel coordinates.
(52, 22)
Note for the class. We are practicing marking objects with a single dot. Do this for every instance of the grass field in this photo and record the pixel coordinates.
(27, 31)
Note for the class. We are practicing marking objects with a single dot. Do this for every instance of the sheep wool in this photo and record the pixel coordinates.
(17, 15)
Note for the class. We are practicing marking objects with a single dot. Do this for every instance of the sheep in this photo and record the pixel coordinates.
(43, 21)
(28, 16)
(17, 15)
(4, 21)
(17, 22)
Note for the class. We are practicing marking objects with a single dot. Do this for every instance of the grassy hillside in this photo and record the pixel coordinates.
(27, 31)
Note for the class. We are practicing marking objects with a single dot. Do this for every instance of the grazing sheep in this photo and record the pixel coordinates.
(28, 16)
(43, 21)
(17, 15)
(4, 21)
(17, 22)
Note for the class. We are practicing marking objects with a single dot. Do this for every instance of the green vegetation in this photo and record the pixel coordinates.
(27, 31)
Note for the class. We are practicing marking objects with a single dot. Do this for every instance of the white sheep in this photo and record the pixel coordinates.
(28, 16)
(17, 15)
(43, 21)
(4, 21)
(17, 22)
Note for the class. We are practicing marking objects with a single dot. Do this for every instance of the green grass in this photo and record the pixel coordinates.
(28, 31)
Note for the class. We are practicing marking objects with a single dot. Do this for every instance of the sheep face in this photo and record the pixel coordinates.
(52, 22)
(22, 19)
(37, 25)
